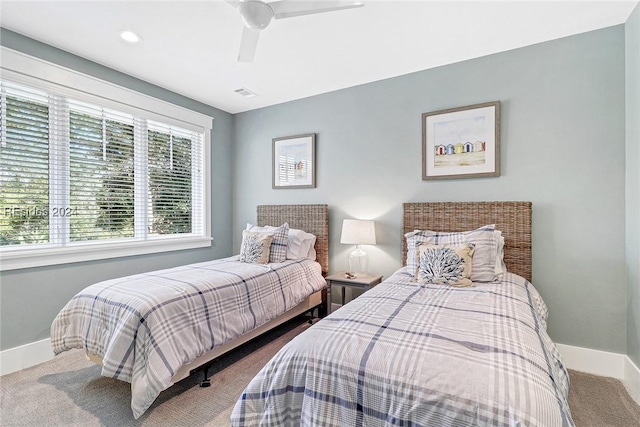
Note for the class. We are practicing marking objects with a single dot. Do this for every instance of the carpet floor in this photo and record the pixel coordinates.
(69, 391)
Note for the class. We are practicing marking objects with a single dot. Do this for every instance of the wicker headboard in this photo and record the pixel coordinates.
(512, 218)
(313, 219)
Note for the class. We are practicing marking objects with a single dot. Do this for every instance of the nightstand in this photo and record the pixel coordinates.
(361, 282)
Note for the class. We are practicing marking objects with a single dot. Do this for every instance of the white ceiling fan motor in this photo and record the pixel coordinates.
(257, 15)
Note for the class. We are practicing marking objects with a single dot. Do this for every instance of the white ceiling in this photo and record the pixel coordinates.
(190, 47)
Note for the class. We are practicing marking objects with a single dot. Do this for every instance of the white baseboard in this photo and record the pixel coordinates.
(632, 380)
(25, 356)
(594, 362)
(605, 364)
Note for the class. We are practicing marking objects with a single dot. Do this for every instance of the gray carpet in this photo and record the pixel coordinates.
(601, 402)
(69, 391)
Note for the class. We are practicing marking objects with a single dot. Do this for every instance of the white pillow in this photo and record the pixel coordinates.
(501, 267)
(312, 251)
(301, 245)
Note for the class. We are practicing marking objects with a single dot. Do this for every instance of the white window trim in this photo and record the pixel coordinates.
(22, 68)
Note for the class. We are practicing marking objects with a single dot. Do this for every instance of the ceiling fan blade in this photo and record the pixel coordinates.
(291, 8)
(248, 44)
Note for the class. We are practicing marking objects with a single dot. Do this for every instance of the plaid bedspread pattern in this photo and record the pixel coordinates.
(146, 326)
(404, 354)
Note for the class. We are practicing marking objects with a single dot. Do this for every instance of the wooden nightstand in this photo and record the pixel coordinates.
(339, 279)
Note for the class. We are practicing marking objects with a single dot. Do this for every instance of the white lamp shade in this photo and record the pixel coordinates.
(358, 232)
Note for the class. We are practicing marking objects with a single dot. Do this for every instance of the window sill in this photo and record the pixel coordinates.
(15, 258)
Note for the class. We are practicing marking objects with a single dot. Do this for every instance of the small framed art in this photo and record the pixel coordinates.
(294, 161)
(461, 142)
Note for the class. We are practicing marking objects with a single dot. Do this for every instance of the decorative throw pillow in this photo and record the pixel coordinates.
(255, 247)
(485, 254)
(445, 265)
(280, 241)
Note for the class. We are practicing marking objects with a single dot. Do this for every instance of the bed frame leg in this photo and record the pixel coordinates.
(206, 382)
(323, 310)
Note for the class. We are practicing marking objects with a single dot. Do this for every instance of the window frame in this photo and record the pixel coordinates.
(24, 69)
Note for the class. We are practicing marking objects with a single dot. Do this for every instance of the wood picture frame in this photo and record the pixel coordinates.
(461, 142)
(294, 161)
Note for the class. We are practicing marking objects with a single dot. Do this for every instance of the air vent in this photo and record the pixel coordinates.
(245, 92)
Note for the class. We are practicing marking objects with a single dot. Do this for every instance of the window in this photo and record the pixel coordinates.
(101, 172)
(78, 177)
(24, 168)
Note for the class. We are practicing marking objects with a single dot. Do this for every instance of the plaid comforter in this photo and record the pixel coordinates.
(404, 354)
(146, 326)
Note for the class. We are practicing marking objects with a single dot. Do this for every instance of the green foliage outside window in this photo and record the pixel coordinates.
(24, 172)
(101, 177)
(169, 183)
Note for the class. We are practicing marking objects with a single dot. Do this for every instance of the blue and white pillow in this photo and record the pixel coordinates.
(278, 251)
(485, 254)
(445, 265)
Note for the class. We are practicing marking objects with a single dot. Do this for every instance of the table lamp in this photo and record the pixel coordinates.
(358, 232)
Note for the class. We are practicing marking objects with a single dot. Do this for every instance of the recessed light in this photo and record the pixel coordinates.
(130, 36)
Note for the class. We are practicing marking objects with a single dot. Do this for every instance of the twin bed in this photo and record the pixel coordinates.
(404, 353)
(418, 354)
(154, 329)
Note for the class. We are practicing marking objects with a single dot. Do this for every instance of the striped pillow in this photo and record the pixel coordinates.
(484, 255)
(278, 251)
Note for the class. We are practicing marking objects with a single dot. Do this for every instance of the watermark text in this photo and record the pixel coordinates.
(38, 211)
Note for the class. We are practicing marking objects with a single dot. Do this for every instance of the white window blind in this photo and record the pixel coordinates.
(101, 157)
(24, 166)
(76, 173)
(173, 155)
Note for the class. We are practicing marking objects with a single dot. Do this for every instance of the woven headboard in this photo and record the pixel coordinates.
(313, 219)
(512, 218)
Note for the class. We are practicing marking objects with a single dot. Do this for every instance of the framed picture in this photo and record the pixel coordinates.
(294, 161)
(461, 142)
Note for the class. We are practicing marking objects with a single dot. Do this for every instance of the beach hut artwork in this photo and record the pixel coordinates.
(461, 142)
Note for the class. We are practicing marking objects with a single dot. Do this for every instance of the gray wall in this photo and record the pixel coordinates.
(563, 148)
(632, 57)
(30, 298)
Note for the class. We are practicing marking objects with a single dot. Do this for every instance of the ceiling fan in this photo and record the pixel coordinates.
(257, 15)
